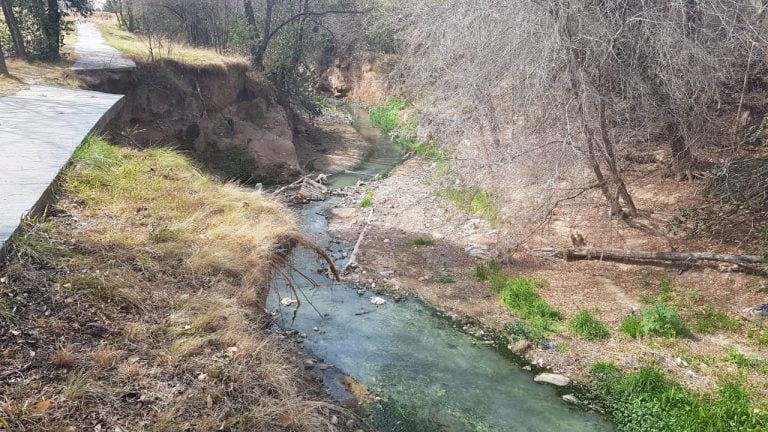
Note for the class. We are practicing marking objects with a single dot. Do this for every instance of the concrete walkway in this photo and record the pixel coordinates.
(93, 53)
(40, 128)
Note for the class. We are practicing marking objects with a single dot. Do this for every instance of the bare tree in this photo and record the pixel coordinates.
(601, 78)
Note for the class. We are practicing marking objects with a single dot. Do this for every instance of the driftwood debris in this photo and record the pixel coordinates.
(306, 189)
(353, 256)
(747, 262)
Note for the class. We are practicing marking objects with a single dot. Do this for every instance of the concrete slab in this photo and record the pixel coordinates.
(40, 128)
(93, 53)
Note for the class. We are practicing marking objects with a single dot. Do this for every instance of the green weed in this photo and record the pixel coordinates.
(659, 319)
(707, 319)
(422, 241)
(630, 325)
(521, 330)
(759, 335)
(387, 116)
(521, 295)
(647, 400)
(482, 203)
(587, 326)
(33, 242)
(743, 361)
(485, 271)
(367, 200)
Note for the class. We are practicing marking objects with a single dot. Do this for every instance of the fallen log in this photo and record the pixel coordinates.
(747, 262)
(592, 253)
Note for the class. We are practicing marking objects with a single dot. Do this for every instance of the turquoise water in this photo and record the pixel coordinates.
(430, 375)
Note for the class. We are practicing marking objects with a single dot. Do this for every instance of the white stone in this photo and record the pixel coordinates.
(378, 301)
(553, 379)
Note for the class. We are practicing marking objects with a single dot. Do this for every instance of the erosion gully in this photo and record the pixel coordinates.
(427, 373)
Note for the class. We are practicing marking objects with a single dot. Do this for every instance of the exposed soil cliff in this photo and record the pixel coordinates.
(229, 117)
(360, 77)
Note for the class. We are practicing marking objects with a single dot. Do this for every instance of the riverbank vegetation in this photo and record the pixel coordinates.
(138, 298)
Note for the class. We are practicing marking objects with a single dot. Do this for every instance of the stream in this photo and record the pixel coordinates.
(429, 374)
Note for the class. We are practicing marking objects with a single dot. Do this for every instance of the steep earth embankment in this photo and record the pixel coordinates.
(228, 116)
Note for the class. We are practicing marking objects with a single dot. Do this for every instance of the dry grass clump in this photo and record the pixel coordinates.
(160, 295)
(137, 47)
(64, 357)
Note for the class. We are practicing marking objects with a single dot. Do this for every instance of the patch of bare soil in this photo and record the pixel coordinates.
(406, 208)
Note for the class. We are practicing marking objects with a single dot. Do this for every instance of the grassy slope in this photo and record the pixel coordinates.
(139, 297)
(137, 47)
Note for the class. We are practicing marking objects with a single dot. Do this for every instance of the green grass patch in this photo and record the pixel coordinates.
(587, 326)
(630, 325)
(521, 330)
(475, 202)
(387, 116)
(743, 361)
(423, 241)
(647, 400)
(367, 200)
(759, 334)
(521, 294)
(659, 319)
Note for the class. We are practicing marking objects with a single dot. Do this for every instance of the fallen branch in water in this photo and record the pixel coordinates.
(353, 256)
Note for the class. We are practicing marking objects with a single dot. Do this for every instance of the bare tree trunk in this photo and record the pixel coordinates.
(3, 66)
(13, 27)
(610, 157)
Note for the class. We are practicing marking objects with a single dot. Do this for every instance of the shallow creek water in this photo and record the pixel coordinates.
(430, 375)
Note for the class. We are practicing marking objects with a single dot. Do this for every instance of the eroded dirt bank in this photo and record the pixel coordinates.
(393, 259)
(228, 116)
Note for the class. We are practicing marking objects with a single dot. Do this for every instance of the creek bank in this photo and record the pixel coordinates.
(230, 118)
(394, 257)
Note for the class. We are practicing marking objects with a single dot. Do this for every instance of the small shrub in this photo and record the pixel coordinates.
(421, 241)
(235, 164)
(587, 327)
(367, 200)
(658, 319)
(485, 271)
(662, 319)
(631, 325)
